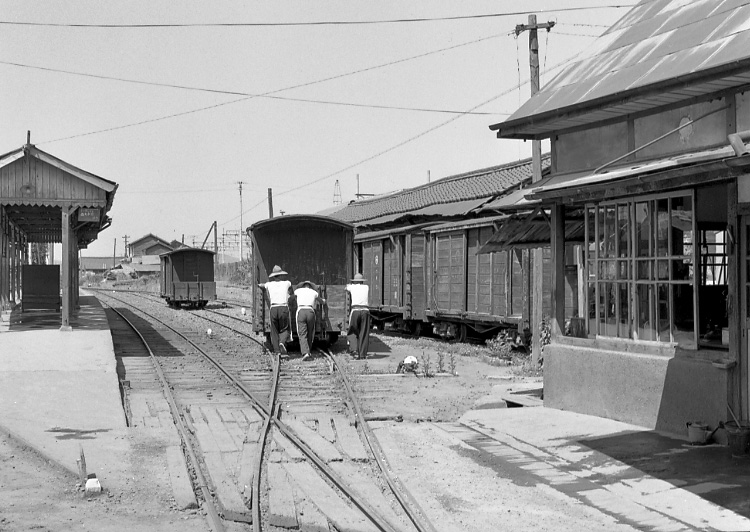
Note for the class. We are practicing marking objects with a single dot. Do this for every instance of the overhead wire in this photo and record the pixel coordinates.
(312, 23)
(400, 144)
(244, 98)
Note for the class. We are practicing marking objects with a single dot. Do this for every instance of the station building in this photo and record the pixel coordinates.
(647, 131)
(46, 200)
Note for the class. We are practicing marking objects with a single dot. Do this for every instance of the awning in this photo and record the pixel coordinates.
(446, 210)
(532, 230)
(374, 235)
(494, 221)
(654, 170)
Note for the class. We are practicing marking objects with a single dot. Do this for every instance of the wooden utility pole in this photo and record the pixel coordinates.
(270, 203)
(537, 313)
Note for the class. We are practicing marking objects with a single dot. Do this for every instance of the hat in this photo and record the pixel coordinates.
(359, 278)
(277, 271)
(308, 283)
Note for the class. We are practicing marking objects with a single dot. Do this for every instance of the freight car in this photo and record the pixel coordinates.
(310, 248)
(436, 275)
(187, 277)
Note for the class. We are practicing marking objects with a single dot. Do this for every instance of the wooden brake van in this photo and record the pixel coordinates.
(187, 277)
(310, 248)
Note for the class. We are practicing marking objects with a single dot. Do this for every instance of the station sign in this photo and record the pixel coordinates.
(88, 215)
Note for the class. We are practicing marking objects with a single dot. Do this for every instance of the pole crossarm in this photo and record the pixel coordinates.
(520, 28)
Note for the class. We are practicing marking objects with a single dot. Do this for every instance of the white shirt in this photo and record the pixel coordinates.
(278, 291)
(360, 294)
(306, 297)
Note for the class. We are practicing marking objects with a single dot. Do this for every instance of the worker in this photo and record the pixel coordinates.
(410, 364)
(307, 295)
(279, 289)
(358, 334)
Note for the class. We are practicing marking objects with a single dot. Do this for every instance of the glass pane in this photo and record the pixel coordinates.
(684, 321)
(682, 270)
(607, 270)
(643, 229)
(662, 308)
(682, 226)
(623, 230)
(592, 308)
(662, 270)
(610, 316)
(601, 293)
(623, 269)
(610, 239)
(644, 270)
(645, 312)
(624, 301)
(662, 227)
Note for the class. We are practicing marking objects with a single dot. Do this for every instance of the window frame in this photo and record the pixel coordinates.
(613, 273)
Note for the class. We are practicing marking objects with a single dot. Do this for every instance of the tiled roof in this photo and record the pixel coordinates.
(484, 183)
(661, 52)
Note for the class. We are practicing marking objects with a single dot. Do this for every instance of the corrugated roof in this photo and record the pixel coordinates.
(470, 186)
(661, 52)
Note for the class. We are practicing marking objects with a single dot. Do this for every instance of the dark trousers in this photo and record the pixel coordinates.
(358, 334)
(305, 329)
(279, 326)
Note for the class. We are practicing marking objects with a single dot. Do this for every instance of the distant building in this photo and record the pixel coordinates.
(99, 264)
(149, 245)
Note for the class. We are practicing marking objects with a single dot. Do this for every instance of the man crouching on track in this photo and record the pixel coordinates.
(279, 289)
(307, 297)
(359, 319)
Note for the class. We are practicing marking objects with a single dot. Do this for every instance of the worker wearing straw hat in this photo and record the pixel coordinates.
(358, 334)
(279, 289)
(307, 296)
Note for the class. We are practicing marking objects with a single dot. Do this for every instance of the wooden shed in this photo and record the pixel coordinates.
(44, 199)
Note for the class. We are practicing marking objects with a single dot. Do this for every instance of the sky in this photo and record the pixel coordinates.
(183, 103)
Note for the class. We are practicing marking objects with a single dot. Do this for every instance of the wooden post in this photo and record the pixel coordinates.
(66, 244)
(557, 238)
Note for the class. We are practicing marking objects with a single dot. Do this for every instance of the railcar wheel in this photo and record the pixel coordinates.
(462, 332)
(416, 329)
(332, 338)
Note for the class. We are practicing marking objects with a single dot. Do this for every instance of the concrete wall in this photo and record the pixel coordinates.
(657, 388)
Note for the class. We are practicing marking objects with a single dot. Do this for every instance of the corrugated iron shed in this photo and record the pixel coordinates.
(661, 52)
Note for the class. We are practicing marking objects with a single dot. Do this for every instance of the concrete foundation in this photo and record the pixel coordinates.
(657, 388)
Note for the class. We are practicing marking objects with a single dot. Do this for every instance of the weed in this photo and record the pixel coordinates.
(441, 362)
(366, 368)
(426, 365)
(452, 363)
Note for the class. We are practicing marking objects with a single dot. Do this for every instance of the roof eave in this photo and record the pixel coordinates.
(518, 128)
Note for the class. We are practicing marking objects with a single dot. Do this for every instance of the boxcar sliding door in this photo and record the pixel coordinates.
(450, 265)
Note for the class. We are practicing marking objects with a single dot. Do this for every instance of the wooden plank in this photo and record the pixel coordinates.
(310, 518)
(223, 439)
(343, 517)
(281, 442)
(225, 489)
(348, 439)
(246, 472)
(320, 446)
(179, 478)
(282, 511)
(364, 485)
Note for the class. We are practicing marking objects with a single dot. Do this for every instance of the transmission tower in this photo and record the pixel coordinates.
(336, 193)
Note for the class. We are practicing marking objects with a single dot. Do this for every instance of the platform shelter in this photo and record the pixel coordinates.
(44, 199)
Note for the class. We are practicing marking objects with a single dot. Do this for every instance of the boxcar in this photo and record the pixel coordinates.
(433, 275)
(310, 248)
(187, 277)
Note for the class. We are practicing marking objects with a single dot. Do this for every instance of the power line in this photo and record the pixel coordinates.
(236, 93)
(402, 143)
(309, 23)
(297, 86)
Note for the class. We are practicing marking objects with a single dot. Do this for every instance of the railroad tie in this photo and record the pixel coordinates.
(348, 439)
(325, 450)
(282, 511)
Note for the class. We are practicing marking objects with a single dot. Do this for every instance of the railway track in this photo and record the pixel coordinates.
(268, 443)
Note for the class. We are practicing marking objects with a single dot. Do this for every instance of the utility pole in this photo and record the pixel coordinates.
(270, 203)
(240, 183)
(537, 314)
(125, 238)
